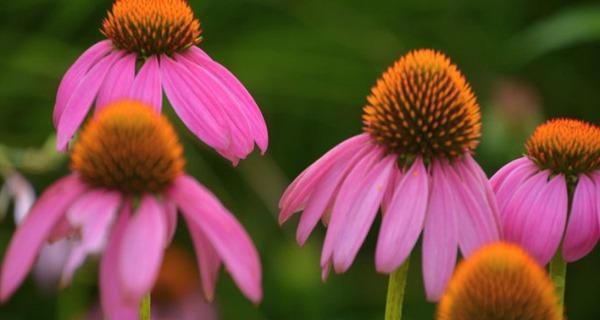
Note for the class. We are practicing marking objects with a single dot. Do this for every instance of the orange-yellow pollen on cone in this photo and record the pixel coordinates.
(499, 282)
(565, 146)
(149, 27)
(130, 148)
(423, 106)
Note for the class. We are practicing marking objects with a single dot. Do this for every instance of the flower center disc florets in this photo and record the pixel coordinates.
(128, 147)
(500, 282)
(423, 106)
(566, 146)
(149, 27)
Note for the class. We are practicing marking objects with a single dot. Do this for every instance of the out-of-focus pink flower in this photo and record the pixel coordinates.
(161, 36)
(532, 191)
(19, 189)
(414, 160)
(121, 200)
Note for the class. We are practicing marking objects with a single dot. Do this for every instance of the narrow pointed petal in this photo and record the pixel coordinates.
(141, 250)
(582, 230)
(112, 298)
(75, 75)
(34, 230)
(81, 101)
(500, 176)
(208, 260)
(403, 219)
(226, 235)
(147, 84)
(512, 183)
(118, 82)
(170, 210)
(440, 234)
(259, 127)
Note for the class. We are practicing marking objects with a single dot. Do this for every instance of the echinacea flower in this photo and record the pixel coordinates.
(16, 187)
(421, 124)
(160, 36)
(499, 281)
(562, 159)
(121, 200)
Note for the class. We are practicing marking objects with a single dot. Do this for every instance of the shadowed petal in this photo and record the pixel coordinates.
(208, 260)
(403, 219)
(118, 82)
(500, 177)
(511, 184)
(146, 86)
(170, 210)
(582, 230)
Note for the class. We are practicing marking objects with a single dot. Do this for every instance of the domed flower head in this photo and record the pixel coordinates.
(562, 157)
(499, 282)
(153, 45)
(421, 124)
(121, 199)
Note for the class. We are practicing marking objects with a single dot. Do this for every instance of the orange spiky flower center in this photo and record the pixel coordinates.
(423, 106)
(130, 148)
(148, 27)
(566, 146)
(499, 282)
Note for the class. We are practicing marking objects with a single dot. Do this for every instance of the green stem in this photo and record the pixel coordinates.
(145, 308)
(395, 293)
(558, 274)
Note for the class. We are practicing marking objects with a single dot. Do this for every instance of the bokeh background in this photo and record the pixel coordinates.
(310, 65)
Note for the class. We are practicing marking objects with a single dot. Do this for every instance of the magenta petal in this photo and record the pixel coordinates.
(75, 75)
(118, 82)
(440, 234)
(112, 298)
(227, 236)
(82, 98)
(34, 230)
(582, 230)
(511, 183)
(403, 219)
(170, 210)
(208, 260)
(142, 247)
(499, 177)
(146, 86)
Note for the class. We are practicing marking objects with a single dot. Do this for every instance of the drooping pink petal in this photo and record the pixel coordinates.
(112, 299)
(208, 259)
(82, 98)
(512, 182)
(170, 210)
(297, 194)
(142, 247)
(23, 194)
(147, 84)
(500, 176)
(403, 219)
(192, 111)
(92, 214)
(75, 75)
(349, 191)
(324, 194)
(118, 82)
(440, 234)
(34, 230)
(395, 178)
(226, 235)
(257, 122)
(582, 230)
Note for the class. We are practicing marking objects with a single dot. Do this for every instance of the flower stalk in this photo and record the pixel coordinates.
(395, 293)
(145, 307)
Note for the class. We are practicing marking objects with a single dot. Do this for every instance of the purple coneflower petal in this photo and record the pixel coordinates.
(440, 234)
(403, 218)
(76, 74)
(147, 84)
(117, 83)
(34, 230)
(582, 231)
(22, 191)
(81, 101)
(513, 180)
(112, 297)
(170, 210)
(208, 260)
(395, 178)
(257, 122)
(299, 191)
(142, 249)
(362, 213)
(499, 177)
(227, 236)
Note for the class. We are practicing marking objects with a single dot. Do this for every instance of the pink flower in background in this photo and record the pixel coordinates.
(162, 37)
(414, 160)
(121, 200)
(16, 187)
(533, 191)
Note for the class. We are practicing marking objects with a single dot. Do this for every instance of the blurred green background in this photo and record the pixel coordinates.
(310, 65)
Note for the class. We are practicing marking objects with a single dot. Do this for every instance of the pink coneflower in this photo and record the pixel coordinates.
(161, 36)
(16, 187)
(122, 197)
(562, 159)
(414, 160)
